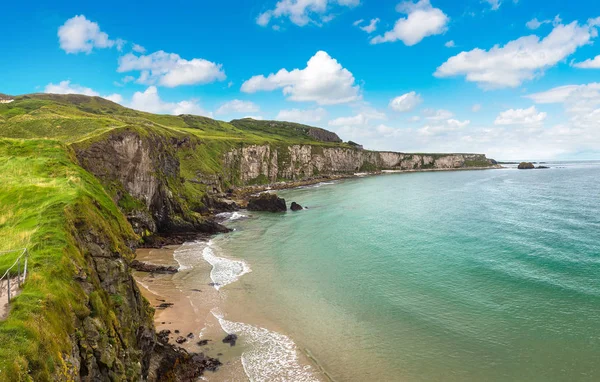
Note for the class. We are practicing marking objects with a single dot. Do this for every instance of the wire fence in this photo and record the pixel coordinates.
(10, 277)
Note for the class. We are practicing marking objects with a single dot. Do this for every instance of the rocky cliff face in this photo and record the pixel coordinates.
(263, 162)
(142, 173)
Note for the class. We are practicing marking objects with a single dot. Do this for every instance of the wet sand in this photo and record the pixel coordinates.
(190, 312)
(194, 302)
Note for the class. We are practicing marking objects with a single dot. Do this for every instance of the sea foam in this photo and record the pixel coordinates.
(272, 356)
(224, 271)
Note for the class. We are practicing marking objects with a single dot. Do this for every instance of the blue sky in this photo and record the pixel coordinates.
(513, 79)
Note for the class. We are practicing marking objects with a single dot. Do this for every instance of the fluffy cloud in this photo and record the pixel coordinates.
(522, 117)
(592, 63)
(422, 20)
(519, 60)
(535, 23)
(323, 81)
(138, 48)
(303, 12)
(369, 28)
(170, 70)
(406, 102)
(361, 119)
(66, 87)
(150, 101)
(443, 128)
(450, 44)
(238, 106)
(302, 116)
(78, 34)
(437, 115)
(476, 108)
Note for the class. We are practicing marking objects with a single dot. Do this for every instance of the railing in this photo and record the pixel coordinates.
(21, 266)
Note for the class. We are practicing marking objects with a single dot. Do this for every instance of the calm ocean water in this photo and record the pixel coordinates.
(449, 276)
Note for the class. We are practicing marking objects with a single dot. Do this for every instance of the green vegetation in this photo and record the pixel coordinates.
(43, 196)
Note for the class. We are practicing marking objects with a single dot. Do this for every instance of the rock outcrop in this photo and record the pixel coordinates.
(296, 207)
(267, 202)
(526, 166)
(143, 175)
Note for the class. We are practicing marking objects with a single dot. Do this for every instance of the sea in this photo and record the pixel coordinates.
(437, 276)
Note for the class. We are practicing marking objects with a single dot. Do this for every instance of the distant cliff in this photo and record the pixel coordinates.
(266, 163)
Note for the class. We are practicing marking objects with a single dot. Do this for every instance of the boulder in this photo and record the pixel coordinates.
(526, 166)
(180, 340)
(296, 207)
(267, 202)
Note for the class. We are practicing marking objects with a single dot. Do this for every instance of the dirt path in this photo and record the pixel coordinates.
(14, 290)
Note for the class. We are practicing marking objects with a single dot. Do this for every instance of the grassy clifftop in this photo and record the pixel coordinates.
(46, 201)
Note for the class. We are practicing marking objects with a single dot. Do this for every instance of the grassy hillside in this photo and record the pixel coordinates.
(43, 197)
(72, 118)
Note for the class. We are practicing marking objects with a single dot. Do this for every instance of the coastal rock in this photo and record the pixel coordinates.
(267, 202)
(163, 336)
(230, 339)
(190, 335)
(152, 268)
(181, 340)
(165, 305)
(526, 166)
(172, 363)
(296, 207)
(202, 342)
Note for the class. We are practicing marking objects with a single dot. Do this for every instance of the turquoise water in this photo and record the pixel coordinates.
(450, 276)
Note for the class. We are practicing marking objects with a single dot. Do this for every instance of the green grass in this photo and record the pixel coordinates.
(44, 195)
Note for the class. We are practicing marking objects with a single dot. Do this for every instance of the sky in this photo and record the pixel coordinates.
(514, 79)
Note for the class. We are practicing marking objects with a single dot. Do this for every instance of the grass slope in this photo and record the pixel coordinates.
(43, 195)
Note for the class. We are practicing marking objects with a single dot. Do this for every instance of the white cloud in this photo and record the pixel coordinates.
(592, 63)
(494, 3)
(437, 115)
(150, 101)
(443, 128)
(406, 102)
(66, 87)
(138, 48)
(302, 116)
(529, 116)
(358, 22)
(476, 108)
(535, 23)
(422, 20)
(323, 81)
(303, 12)
(170, 70)
(450, 44)
(519, 60)
(369, 28)
(238, 106)
(78, 34)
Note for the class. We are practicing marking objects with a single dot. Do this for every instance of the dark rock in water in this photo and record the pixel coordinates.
(176, 331)
(190, 335)
(296, 207)
(180, 340)
(230, 339)
(526, 166)
(213, 284)
(165, 305)
(196, 290)
(542, 167)
(202, 342)
(152, 268)
(267, 202)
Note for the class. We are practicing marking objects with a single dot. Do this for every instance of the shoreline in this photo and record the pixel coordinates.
(240, 194)
(181, 317)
